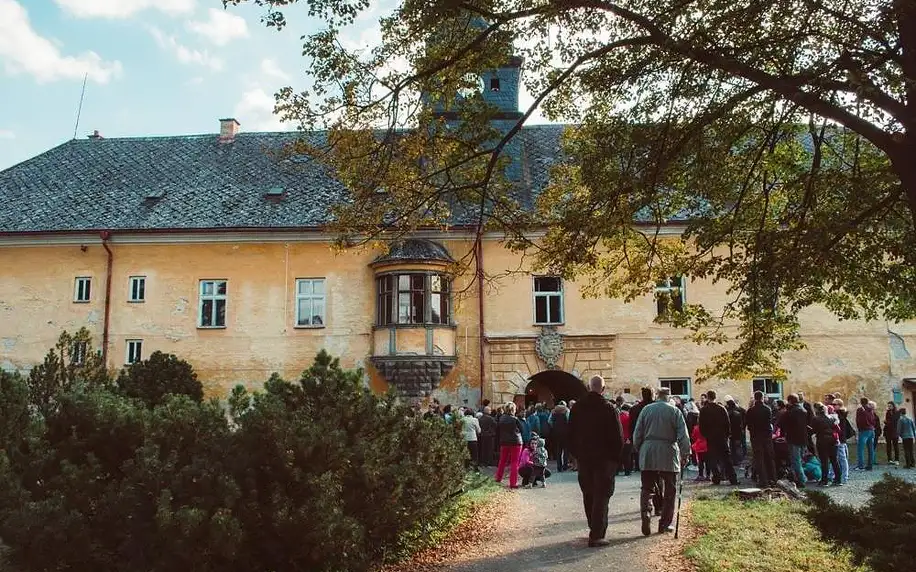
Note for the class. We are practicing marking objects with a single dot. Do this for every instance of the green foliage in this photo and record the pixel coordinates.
(70, 365)
(151, 380)
(318, 475)
(781, 129)
(881, 532)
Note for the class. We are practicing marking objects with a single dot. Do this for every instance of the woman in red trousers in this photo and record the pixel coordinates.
(510, 445)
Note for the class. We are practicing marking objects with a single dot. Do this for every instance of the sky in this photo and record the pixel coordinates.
(155, 67)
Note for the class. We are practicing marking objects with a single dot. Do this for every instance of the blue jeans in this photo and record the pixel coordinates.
(842, 455)
(866, 439)
(795, 458)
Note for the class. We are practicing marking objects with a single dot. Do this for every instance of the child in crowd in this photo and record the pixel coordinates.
(535, 456)
(700, 448)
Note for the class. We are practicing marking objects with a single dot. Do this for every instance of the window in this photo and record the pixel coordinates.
(137, 289)
(413, 299)
(770, 387)
(678, 386)
(134, 351)
(669, 295)
(548, 300)
(310, 302)
(78, 353)
(494, 84)
(213, 303)
(83, 290)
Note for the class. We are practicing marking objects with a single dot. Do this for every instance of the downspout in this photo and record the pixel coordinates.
(106, 235)
(480, 325)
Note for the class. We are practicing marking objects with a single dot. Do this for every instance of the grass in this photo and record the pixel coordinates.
(760, 536)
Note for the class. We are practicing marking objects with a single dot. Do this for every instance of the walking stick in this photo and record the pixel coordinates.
(680, 495)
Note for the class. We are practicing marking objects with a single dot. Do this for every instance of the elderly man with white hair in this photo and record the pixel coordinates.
(661, 438)
(596, 441)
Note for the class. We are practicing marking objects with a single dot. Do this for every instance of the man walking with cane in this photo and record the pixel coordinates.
(664, 447)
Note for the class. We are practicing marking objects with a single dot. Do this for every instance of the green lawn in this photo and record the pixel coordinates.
(736, 536)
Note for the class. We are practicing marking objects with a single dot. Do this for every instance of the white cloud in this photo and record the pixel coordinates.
(221, 27)
(272, 69)
(185, 54)
(23, 50)
(7, 134)
(255, 111)
(124, 8)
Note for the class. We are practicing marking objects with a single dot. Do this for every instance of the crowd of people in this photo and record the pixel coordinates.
(660, 436)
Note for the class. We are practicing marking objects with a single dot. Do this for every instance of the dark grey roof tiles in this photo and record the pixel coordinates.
(414, 250)
(196, 182)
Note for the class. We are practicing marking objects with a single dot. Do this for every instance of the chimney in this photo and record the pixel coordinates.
(95, 135)
(228, 129)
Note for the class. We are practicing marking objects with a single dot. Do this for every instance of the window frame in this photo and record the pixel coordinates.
(201, 298)
(312, 297)
(79, 351)
(667, 288)
(765, 378)
(131, 347)
(78, 291)
(388, 294)
(688, 382)
(132, 283)
(547, 294)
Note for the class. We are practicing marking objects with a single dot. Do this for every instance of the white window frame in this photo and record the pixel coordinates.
(78, 352)
(547, 295)
(311, 296)
(133, 352)
(82, 290)
(668, 287)
(683, 396)
(201, 298)
(764, 378)
(133, 288)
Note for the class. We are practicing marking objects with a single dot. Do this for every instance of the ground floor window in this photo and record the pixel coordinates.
(769, 386)
(678, 386)
(134, 351)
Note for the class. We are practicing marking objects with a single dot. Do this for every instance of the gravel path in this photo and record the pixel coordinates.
(855, 492)
(545, 529)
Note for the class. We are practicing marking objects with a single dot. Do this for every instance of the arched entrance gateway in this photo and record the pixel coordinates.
(552, 386)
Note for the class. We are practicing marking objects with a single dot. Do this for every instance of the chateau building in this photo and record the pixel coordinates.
(213, 248)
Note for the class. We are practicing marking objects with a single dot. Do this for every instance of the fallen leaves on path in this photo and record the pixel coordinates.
(479, 527)
(668, 556)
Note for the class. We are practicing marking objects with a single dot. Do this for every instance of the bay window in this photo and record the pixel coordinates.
(413, 298)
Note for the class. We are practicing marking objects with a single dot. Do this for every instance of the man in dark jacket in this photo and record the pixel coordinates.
(596, 441)
(759, 421)
(737, 428)
(794, 425)
(716, 427)
(487, 436)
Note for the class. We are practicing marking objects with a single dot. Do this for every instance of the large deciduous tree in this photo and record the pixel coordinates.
(784, 129)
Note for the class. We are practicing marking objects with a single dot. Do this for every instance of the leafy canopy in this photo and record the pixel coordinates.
(786, 129)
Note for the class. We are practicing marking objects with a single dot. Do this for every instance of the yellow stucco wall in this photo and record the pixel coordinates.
(618, 340)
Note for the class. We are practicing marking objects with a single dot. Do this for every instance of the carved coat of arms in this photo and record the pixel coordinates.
(549, 346)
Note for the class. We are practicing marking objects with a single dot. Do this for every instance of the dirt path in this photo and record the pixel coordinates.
(545, 529)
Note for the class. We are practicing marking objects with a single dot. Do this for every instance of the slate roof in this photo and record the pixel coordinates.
(195, 182)
(414, 250)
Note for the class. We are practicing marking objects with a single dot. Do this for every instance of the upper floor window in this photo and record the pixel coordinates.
(770, 387)
(669, 295)
(677, 386)
(310, 302)
(548, 300)
(82, 291)
(413, 298)
(212, 309)
(137, 291)
(494, 84)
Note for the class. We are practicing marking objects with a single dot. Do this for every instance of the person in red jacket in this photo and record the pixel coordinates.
(627, 455)
(700, 447)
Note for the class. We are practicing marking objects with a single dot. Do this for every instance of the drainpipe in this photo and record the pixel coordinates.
(106, 235)
(480, 310)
